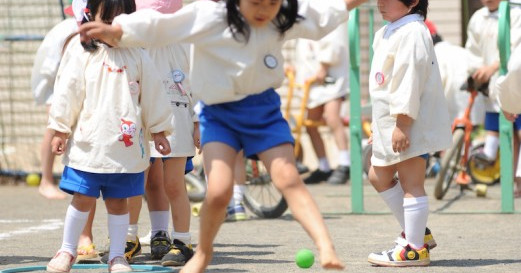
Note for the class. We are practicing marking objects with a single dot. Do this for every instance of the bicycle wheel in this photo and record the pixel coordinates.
(261, 197)
(450, 164)
(196, 184)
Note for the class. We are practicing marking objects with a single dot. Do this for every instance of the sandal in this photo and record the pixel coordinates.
(61, 262)
(86, 252)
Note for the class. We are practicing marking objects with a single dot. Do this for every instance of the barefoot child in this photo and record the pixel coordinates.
(237, 60)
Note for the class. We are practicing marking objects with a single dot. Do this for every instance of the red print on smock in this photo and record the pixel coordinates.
(128, 129)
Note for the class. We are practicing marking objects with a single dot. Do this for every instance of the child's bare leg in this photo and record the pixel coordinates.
(86, 239)
(175, 189)
(47, 187)
(281, 165)
(219, 160)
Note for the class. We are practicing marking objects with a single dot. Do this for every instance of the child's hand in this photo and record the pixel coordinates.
(110, 34)
(197, 136)
(401, 133)
(509, 116)
(484, 73)
(58, 143)
(161, 143)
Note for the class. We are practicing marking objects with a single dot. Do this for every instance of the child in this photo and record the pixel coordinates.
(173, 63)
(410, 120)
(328, 61)
(106, 104)
(238, 60)
(44, 71)
(508, 96)
(482, 35)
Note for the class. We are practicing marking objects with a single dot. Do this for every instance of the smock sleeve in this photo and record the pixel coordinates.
(412, 67)
(156, 111)
(69, 88)
(319, 18)
(508, 92)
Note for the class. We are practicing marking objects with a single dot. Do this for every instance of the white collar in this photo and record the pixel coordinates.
(492, 14)
(390, 28)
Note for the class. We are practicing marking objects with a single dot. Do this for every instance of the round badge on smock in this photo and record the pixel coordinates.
(270, 61)
(133, 87)
(379, 77)
(178, 76)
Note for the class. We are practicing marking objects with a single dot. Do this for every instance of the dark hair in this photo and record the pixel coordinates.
(285, 19)
(420, 8)
(109, 9)
(436, 38)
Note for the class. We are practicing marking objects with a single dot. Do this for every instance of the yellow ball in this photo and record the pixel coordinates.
(33, 179)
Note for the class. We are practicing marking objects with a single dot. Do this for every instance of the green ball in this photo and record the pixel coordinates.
(33, 179)
(305, 258)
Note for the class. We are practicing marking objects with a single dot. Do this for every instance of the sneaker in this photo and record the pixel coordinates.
(132, 249)
(236, 213)
(178, 255)
(119, 264)
(159, 245)
(145, 240)
(401, 255)
(317, 176)
(61, 262)
(339, 176)
(428, 239)
(301, 168)
(483, 161)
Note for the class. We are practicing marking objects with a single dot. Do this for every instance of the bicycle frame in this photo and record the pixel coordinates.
(464, 122)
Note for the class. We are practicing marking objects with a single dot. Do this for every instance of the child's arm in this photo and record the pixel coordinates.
(401, 133)
(58, 142)
(161, 143)
(351, 4)
(484, 73)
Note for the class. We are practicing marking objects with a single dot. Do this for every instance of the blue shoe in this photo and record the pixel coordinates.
(236, 213)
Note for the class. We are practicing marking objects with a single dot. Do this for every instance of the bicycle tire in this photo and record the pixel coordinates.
(195, 186)
(261, 196)
(450, 162)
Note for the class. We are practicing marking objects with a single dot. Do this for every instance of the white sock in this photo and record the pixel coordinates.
(416, 212)
(238, 193)
(74, 223)
(118, 225)
(132, 232)
(393, 197)
(184, 237)
(491, 146)
(344, 158)
(159, 221)
(323, 164)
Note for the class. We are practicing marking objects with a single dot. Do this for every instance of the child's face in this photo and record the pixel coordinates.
(259, 13)
(393, 10)
(492, 5)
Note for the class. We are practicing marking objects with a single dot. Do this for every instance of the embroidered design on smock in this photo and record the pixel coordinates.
(141, 141)
(128, 130)
(114, 69)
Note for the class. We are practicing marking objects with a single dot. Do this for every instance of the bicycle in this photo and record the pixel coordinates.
(455, 160)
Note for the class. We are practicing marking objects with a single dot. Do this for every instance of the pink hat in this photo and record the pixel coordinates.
(163, 6)
(431, 26)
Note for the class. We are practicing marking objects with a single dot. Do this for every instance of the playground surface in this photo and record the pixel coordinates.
(472, 235)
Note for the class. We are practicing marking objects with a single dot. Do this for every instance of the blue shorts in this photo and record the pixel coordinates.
(425, 156)
(188, 167)
(492, 122)
(111, 185)
(254, 124)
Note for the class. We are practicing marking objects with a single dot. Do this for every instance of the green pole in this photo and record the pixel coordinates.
(355, 119)
(505, 127)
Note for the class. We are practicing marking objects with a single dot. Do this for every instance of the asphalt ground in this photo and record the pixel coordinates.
(472, 234)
